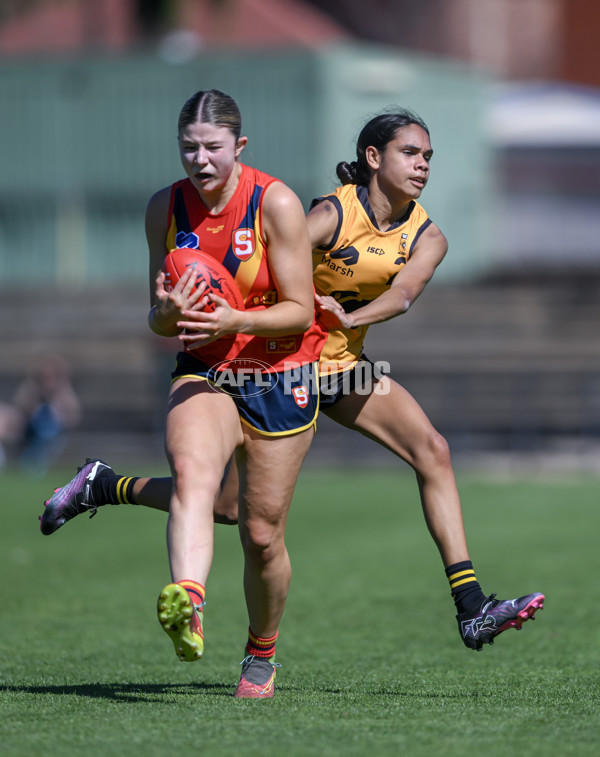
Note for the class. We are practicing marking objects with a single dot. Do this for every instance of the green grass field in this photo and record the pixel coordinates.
(372, 661)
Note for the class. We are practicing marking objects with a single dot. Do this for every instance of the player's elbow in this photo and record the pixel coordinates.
(404, 304)
(306, 322)
(402, 301)
(303, 316)
(406, 295)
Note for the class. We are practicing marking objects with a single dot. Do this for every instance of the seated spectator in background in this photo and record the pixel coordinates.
(48, 407)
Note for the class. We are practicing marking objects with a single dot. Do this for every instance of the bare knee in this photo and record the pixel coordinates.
(193, 480)
(262, 541)
(433, 453)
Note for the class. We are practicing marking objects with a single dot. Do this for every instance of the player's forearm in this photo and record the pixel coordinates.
(161, 325)
(388, 305)
(282, 319)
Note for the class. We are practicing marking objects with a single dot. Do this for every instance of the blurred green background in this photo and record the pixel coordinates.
(502, 348)
(85, 143)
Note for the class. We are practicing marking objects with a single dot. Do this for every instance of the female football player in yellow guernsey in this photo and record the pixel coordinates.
(374, 251)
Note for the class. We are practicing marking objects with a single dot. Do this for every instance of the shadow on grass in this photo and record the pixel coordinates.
(394, 692)
(172, 692)
(128, 692)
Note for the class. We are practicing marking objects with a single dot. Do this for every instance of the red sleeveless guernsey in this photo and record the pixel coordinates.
(235, 238)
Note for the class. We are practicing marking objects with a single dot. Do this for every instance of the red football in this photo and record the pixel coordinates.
(217, 277)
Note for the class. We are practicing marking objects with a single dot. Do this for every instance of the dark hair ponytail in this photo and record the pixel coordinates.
(352, 173)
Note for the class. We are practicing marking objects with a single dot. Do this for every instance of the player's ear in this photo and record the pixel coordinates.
(372, 157)
(239, 146)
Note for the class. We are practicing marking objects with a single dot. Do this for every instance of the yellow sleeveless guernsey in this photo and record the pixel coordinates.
(359, 264)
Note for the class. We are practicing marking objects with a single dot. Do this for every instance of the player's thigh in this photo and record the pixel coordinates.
(268, 469)
(391, 417)
(203, 427)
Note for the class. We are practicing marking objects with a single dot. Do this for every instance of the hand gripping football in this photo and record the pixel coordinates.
(218, 279)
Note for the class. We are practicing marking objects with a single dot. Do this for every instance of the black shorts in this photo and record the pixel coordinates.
(360, 378)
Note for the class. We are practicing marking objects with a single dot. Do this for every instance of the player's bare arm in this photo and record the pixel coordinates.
(322, 222)
(408, 284)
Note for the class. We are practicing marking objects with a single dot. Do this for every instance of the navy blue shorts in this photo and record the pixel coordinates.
(274, 404)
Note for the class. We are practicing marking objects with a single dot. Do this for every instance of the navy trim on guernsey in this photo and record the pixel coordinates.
(274, 404)
(363, 195)
(180, 211)
(340, 214)
(418, 234)
(231, 260)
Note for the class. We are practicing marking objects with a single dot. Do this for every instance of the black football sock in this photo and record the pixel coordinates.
(465, 588)
(112, 489)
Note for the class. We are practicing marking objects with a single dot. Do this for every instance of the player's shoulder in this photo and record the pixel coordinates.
(324, 205)
(324, 220)
(276, 196)
(160, 199)
(432, 236)
(157, 212)
(279, 197)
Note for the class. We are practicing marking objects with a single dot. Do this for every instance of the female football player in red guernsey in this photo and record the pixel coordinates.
(245, 383)
(375, 209)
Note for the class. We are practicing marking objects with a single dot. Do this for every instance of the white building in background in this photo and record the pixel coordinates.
(547, 143)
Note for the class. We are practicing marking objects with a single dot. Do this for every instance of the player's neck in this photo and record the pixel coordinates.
(217, 200)
(386, 213)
